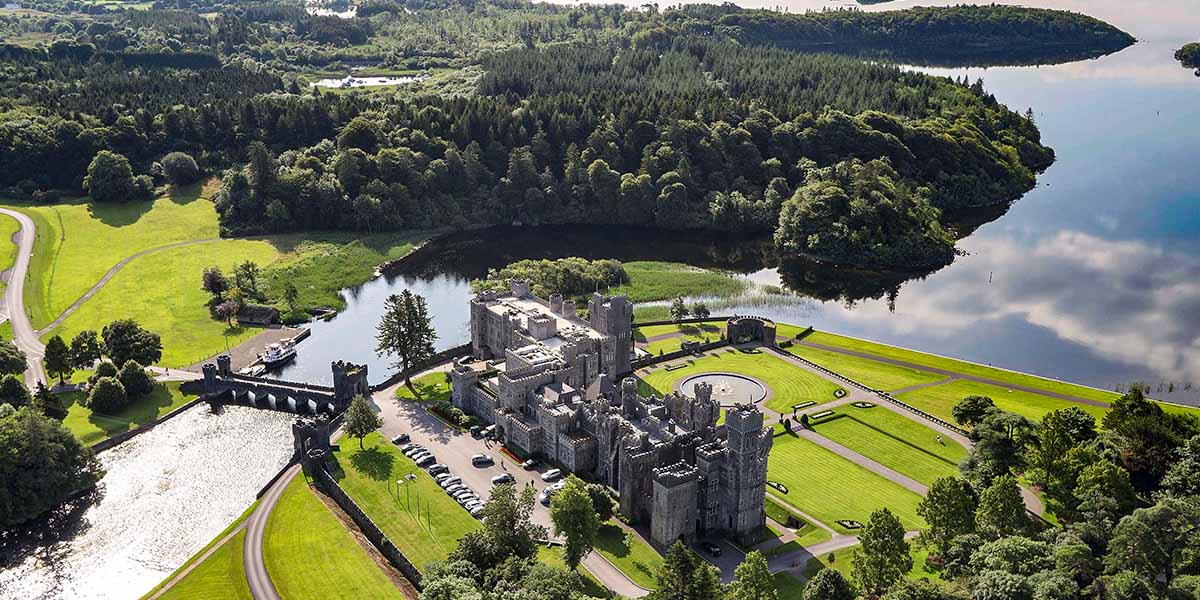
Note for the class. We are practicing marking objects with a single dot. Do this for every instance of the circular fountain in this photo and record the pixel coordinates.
(728, 388)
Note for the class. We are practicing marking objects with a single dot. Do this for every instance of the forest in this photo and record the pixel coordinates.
(580, 114)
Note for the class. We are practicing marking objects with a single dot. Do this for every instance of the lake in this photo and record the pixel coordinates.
(1092, 277)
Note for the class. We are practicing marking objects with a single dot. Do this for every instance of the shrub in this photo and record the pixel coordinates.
(110, 178)
(107, 396)
(134, 378)
(104, 369)
(180, 168)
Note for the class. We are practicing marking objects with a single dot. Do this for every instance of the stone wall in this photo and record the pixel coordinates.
(380, 540)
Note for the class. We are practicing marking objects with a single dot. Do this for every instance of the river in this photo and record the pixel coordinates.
(165, 495)
(1092, 277)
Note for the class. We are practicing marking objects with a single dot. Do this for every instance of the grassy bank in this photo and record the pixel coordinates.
(302, 534)
(895, 441)
(634, 557)
(91, 427)
(220, 575)
(878, 375)
(939, 399)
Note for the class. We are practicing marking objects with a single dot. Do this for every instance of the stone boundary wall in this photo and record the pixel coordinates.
(327, 484)
(654, 360)
(444, 356)
(882, 394)
(684, 321)
(105, 444)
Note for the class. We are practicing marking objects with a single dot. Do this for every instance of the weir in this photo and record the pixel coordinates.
(222, 386)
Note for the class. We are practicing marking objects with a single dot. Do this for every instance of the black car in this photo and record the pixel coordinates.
(401, 439)
(711, 548)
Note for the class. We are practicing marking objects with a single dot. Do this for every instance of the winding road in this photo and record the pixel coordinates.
(14, 299)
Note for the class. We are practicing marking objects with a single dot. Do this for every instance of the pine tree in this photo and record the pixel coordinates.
(405, 331)
(58, 359)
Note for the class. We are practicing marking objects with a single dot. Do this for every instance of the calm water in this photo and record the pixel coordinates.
(165, 495)
(1091, 277)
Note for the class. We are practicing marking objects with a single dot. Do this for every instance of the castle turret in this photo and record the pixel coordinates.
(556, 303)
(349, 380)
(519, 287)
(613, 317)
(674, 504)
(629, 397)
(746, 471)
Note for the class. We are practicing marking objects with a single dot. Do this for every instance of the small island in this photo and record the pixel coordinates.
(1189, 56)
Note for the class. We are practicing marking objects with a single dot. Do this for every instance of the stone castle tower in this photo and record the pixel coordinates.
(613, 316)
(748, 445)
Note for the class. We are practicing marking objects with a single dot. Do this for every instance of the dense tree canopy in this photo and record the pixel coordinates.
(42, 464)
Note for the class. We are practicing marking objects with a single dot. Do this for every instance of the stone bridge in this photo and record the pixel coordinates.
(223, 386)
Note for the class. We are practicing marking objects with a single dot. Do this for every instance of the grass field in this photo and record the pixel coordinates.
(843, 562)
(322, 264)
(554, 556)
(652, 280)
(162, 292)
(637, 560)
(301, 533)
(431, 387)
(878, 375)
(829, 487)
(789, 587)
(807, 533)
(91, 428)
(895, 441)
(939, 399)
(369, 477)
(959, 366)
(8, 250)
(790, 384)
(78, 241)
(694, 332)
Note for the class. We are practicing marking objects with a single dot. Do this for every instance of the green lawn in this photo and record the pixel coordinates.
(91, 428)
(8, 250)
(878, 375)
(938, 400)
(959, 366)
(431, 387)
(789, 383)
(692, 332)
(829, 487)
(652, 280)
(807, 533)
(843, 562)
(895, 441)
(787, 330)
(638, 560)
(301, 533)
(78, 241)
(370, 476)
(162, 292)
(789, 587)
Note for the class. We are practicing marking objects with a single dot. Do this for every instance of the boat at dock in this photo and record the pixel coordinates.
(278, 355)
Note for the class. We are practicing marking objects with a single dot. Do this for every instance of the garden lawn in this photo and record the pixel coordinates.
(161, 291)
(431, 387)
(638, 561)
(807, 533)
(829, 487)
(553, 556)
(790, 384)
(875, 374)
(301, 533)
(92, 427)
(938, 400)
(960, 366)
(369, 477)
(698, 330)
(320, 265)
(894, 441)
(78, 241)
(651, 280)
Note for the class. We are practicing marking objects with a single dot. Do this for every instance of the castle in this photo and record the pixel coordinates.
(545, 378)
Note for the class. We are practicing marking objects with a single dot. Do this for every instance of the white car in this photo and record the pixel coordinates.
(449, 481)
(413, 449)
(551, 475)
(454, 489)
(477, 512)
(442, 477)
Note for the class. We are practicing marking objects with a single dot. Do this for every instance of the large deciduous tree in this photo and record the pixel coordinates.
(684, 576)
(361, 419)
(1183, 478)
(126, 340)
(86, 349)
(679, 310)
(110, 178)
(58, 359)
(1157, 542)
(214, 282)
(828, 584)
(972, 409)
(949, 509)
(107, 396)
(1059, 432)
(180, 168)
(1001, 509)
(406, 332)
(574, 517)
(753, 580)
(41, 465)
(134, 378)
(884, 557)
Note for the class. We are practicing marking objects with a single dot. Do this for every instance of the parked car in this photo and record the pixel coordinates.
(529, 465)
(407, 447)
(437, 468)
(481, 460)
(411, 449)
(471, 504)
(503, 478)
(449, 481)
(426, 461)
(545, 496)
(419, 456)
(477, 512)
(475, 429)
(443, 476)
(711, 548)
(455, 488)
(552, 475)
(401, 439)
(466, 496)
